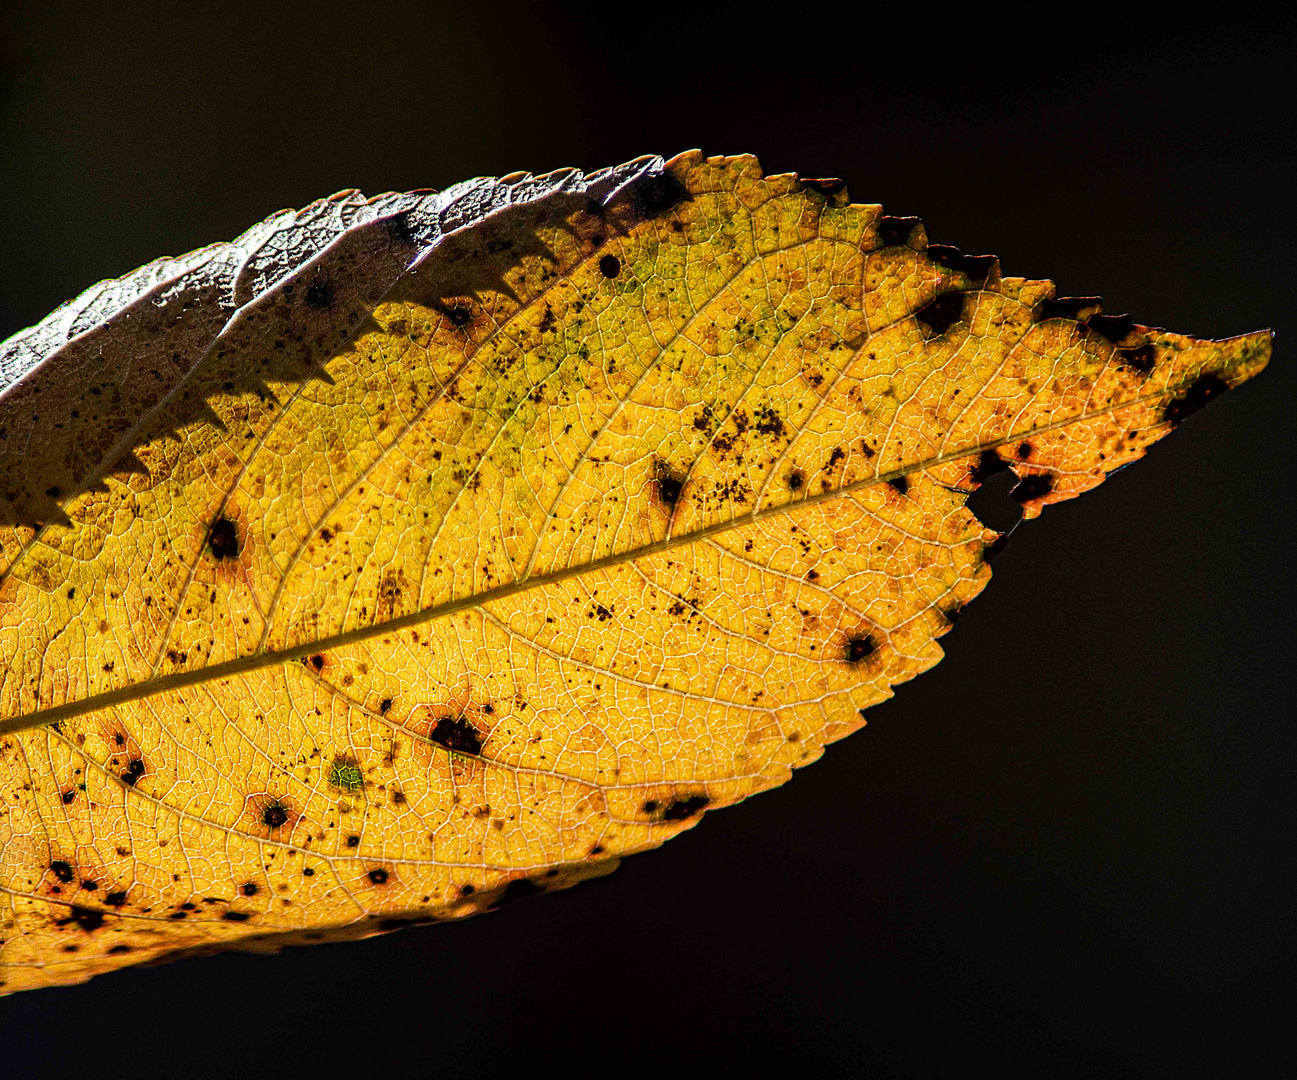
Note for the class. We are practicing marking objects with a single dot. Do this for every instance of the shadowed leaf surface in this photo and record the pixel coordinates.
(411, 556)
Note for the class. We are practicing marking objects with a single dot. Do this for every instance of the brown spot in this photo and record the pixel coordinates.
(385, 705)
(899, 484)
(378, 876)
(248, 888)
(457, 734)
(517, 889)
(89, 919)
(666, 486)
(1066, 307)
(133, 771)
(115, 899)
(1141, 359)
(1032, 487)
(683, 809)
(893, 231)
(1113, 327)
(1205, 389)
(274, 815)
(940, 315)
(223, 540)
(319, 295)
(317, 662)
(353, 841)
(61, 870)
(236, 916)
(795, 480)
(860, 648)
(610, 266)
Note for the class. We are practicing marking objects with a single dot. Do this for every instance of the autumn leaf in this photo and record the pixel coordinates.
(408, 556)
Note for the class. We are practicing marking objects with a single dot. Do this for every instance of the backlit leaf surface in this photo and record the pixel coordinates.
(412, 555)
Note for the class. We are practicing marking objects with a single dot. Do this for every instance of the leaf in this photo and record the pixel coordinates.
(410, 556)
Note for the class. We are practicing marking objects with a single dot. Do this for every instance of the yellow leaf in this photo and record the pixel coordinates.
(409, 556)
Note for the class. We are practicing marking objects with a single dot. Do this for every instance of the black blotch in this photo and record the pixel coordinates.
(666, 485)
(610, 266)
(682, 809)
(467, 890)
(940, 315)
(457, 734)
(274, 816)
(460, 314)
(650, 807)
(1205, 389)
(517, 889)
(1066, 307)
(235, 916)
(133, 771)
(319, 295)
(1035, 486)
(61, 870)
(353, 841)
(656, 195)
(317, 662)
(249, 888)
(899, 484)
(860, 648)
(117, 949)
(988, 464)
(69, 796)
(378, 876)
(115, 899)
(896, 230)
(1024, 450)
(1113, 327)
(827, 186)
(88, 918)
(597, 849)
(1141, 359)
(796, 480)
(385, 705)
(977, 267)
(223, 540)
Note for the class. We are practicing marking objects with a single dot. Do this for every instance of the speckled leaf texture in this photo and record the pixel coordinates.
(408, 556)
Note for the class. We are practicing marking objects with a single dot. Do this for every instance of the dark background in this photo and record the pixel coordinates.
(1067, 850)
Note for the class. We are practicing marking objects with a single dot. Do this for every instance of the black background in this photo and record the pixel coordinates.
(1067, 849)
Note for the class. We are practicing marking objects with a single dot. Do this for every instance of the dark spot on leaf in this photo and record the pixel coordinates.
(385, 705)
(1066, 307)
(1206, 388)
(1113, 327)
(319, 295)
(650, 807)
(682, 809)
(133, 771)
(115, 899)
(457, 734)
(88, 918)
(466, 890)
(899, 484)
(274, 815)
(860, 648)
(460, 314)
(223, 540)
(656, 195)
(1024, 450)
(951, 615)
(117, 950)
(896, 230)
(249, 888)
(768, 422)
(353, 841)
(69, 796)
(988, 464)
(796, 480)
(1141, 359)
(378, 876)
(597, 849)
(977, 267)
(666, 485)
(1035, 486)
(236, 916)
(61, 870)
(317, 662)
(610, 266)
(517, 889)
(827, 186)
(940, 315)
